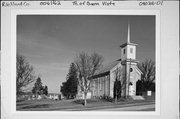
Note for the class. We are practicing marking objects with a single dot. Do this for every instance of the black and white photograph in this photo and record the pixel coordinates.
(105, 60)
(86, 63)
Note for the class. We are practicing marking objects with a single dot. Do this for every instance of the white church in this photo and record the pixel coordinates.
(124, 69)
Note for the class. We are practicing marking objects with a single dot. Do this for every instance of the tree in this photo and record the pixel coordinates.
(117, 90)
(117, 84)
(69, 88)
(148, 77)
(45, 90)
(139, 87)
(24, 74)
(87, 65)
(38, 88)
(63, 89)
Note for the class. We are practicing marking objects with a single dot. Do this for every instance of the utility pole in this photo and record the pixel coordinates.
(129, 71)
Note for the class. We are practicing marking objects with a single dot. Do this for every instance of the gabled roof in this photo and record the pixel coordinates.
(139, 70)
(106, 69)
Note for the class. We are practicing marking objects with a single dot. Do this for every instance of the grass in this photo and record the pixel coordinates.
(75, 104)
(48, 104)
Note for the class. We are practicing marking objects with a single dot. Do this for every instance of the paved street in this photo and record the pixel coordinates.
(127, 107)
(150, 107)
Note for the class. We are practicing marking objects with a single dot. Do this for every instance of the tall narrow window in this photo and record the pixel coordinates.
(94, 83)
(131, 50)
(124, 51)
(100, 84)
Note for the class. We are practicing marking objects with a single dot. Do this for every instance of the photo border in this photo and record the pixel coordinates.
(16, 12)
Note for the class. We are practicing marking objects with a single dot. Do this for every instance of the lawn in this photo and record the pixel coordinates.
(74, 104)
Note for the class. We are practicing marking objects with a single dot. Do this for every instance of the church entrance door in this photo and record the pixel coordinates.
(139, 87)
(131, 90)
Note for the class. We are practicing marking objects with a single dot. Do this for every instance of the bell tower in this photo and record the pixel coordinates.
(128, 50)
(129, 62)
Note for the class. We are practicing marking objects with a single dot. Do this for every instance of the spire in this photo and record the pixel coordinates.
(128, 35)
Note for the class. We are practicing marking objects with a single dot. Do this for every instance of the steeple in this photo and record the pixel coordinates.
(128, 49)
(128, 34)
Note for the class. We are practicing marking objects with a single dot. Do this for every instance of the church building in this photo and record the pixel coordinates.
(124, 69)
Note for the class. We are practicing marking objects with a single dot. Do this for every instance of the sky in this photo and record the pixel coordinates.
(51, 42)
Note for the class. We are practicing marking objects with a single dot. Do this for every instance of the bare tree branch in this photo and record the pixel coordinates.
(24, 74)
(148, 69)
(87, 65)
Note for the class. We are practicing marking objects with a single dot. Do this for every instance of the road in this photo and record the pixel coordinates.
(128, 107)
(150, 107)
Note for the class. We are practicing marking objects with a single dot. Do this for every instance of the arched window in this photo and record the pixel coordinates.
(131, 69)
(130, 83)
